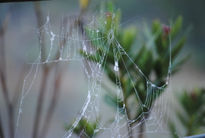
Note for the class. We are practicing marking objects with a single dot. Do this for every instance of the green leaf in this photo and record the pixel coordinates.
(110, 6)
(137, 57)
(177, 64)
(177, 48)
(128, 37)
(176, 27)
(86, 126)
(173, 130)
(183, 119)
(156, 26)
(115, 102)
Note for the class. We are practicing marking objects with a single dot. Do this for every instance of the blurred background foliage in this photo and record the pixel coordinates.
(190, 114)
(151, 13)
(141, 10)
(84, 129)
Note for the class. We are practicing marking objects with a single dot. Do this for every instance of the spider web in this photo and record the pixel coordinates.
(73, 41)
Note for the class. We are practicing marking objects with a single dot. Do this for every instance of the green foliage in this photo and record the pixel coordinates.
(84, 129)
(153, 60)
(192, 115)
(114, 102)
(150, 60)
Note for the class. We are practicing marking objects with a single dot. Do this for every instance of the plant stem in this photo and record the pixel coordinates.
(52, 105)
(40, 102)
(3, 79)
(190, 126)
(11, 122)
(141, 133)
(129, 126)
(1, 129)
(46, 70)
(9, 106)
(39, 18)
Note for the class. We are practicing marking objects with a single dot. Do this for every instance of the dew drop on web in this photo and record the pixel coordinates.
(116, 67)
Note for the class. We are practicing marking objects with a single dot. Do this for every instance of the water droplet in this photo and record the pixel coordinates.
(20, 111)
(52, 36)
(47, 19)
(99, 65)
(153, 85)
(84, 48)
(116, 67)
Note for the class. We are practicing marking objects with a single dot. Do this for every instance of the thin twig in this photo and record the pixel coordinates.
(53, 103)
(46, 69)
(129, 126)
(3, 79)
(45, 74)
(1, 129)
(40, 101)
(141, 133)
(40, 21)
(57, 81)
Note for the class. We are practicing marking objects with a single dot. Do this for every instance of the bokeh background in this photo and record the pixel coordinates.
(21, 40)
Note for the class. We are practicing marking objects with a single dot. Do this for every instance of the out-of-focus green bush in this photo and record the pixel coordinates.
(84, 129)
(191, 114)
